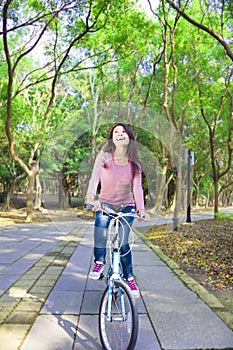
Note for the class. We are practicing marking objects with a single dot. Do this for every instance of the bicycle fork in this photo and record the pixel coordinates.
(113, 291)
(113, 294)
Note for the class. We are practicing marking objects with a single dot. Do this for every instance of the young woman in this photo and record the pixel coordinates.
(118, 170)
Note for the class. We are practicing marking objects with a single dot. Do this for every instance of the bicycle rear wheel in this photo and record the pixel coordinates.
(121, 330)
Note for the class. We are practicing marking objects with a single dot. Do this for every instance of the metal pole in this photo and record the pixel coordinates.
(189, 189)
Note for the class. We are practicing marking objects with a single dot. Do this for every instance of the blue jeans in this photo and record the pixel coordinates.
(100, 238)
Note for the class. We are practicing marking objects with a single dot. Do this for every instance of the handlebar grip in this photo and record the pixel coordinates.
(88, 206)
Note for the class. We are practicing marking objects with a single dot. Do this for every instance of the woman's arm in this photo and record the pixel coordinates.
(139, 197)
(138, 191)
(94, 181)
(95, 176)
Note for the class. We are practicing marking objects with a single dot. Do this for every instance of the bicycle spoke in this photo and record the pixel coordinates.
(120, 331)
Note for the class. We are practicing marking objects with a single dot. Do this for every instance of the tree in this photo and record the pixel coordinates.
(212, 80)
(223, 9)
(33, 26)
(213, 124)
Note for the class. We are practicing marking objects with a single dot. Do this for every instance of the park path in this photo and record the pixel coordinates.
(47, 301)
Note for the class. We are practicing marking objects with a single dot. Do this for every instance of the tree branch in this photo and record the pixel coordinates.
(204, 28)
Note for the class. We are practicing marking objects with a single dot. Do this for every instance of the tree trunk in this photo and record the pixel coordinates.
(197, 200)
(15, 182)
(29, 210)
(63, 200)
(178, 188)
(38, 200)
(31, 184)
(215, 196)
(161, 189)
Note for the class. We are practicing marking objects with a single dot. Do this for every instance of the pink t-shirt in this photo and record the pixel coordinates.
(117, 184)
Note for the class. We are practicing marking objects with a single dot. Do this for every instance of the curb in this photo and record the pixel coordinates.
(213, 302)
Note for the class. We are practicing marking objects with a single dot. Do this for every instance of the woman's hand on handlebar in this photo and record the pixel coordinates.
(90, 199)
(144, 216)
(96, 205)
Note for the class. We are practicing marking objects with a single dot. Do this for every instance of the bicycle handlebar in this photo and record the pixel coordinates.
(112, 212)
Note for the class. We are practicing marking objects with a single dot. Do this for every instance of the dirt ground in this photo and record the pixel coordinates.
(204, 250)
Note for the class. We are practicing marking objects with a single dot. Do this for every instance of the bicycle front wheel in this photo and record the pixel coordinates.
(118, 318)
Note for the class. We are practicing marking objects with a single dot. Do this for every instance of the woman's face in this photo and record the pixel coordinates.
(120, 136)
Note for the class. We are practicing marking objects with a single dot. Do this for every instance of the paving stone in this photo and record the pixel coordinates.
(26, 284)
(59, 262)
(146, 336)
(29, 277)
(6, 281)
(17, 292)
(29, 305)
(34, 272)
(21, 317)
(37, 289)
(45, 282)
(51, 332)
(41, 297)
(72, 282)
(8, 298)
(87, 334)
(91, 302)
(12, 335)
(53, 270)
(63, 303)
(4, 314)
(9, 304)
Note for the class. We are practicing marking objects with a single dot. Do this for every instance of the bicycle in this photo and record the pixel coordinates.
(118, 315)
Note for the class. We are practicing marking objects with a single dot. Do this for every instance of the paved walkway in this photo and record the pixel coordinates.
(47, 302)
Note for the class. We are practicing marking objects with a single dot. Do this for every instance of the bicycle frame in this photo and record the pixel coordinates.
(114, 271)
(118, 315)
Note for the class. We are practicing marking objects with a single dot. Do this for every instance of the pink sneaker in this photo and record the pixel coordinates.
(97, 270)
(134, 288)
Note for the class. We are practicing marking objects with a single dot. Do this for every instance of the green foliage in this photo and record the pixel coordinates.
(116, 61)
(224, 215)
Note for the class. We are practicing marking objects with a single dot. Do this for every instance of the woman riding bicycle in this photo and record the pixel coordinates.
(119, 172)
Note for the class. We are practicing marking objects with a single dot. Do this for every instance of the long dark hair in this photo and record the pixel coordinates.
(132, 148)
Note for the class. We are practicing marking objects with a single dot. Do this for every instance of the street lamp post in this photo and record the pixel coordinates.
(189, 157)
(189, 190)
